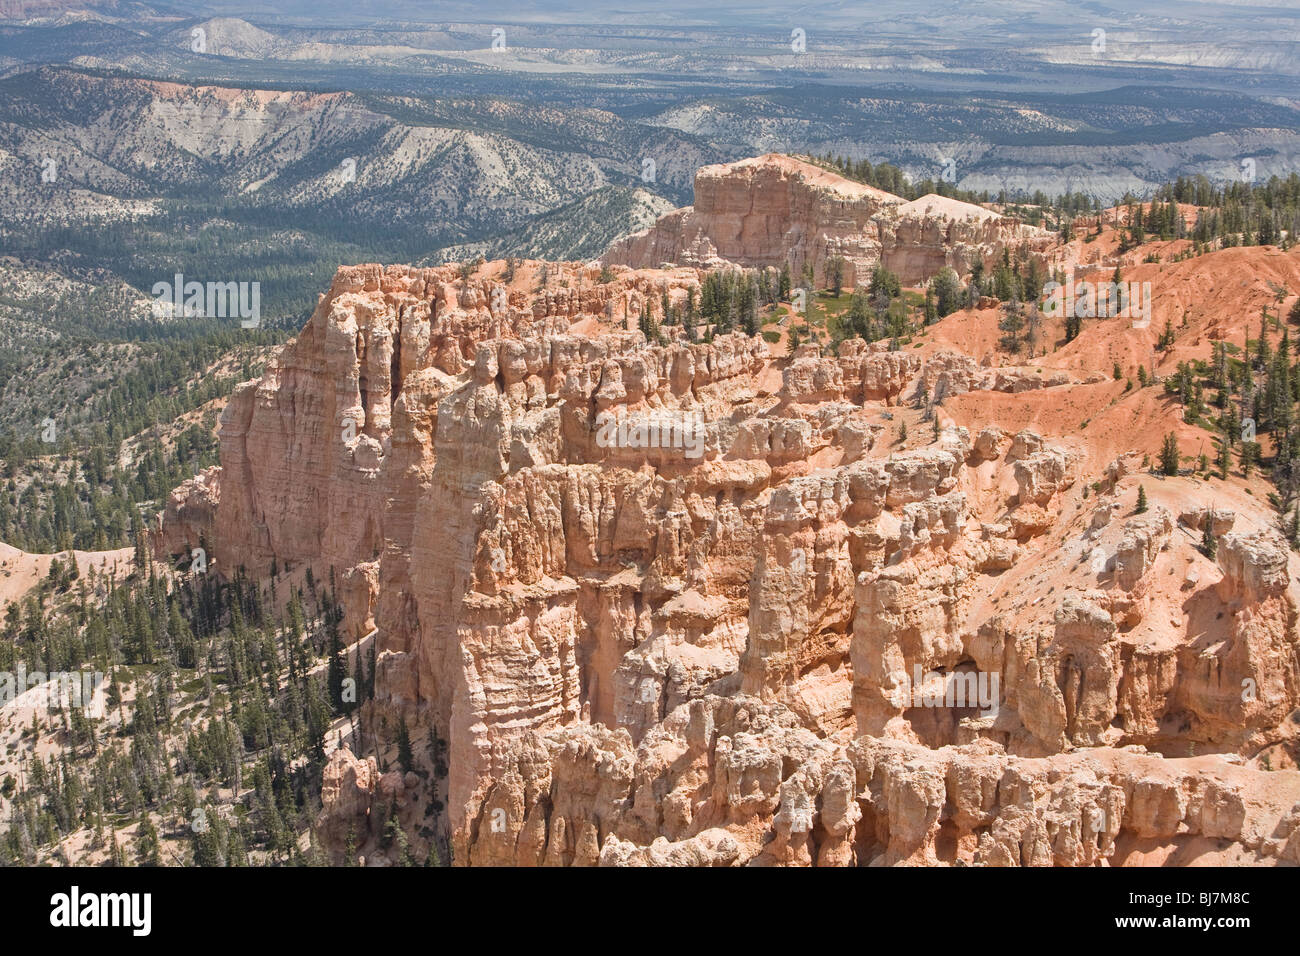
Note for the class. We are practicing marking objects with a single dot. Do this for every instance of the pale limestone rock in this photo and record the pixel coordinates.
(989, 442)
(1041, 475)
(1145, 536)
(1194, 518)
(775, 209)
(348, 789)
(189, 515)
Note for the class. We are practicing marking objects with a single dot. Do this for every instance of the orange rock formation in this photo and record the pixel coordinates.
(643, 657)
(775, 209)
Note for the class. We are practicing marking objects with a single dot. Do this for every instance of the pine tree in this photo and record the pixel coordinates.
(1166, 341)
(1142, 500)
(1263, 354)
(643, 323)
(1250, 454)
(337, 672)
(747, 304)
(1169, 457)
(147, 846)
(947, 292)
(1011, 324)
(1073, 325)
(835, 275)
(1209, 544)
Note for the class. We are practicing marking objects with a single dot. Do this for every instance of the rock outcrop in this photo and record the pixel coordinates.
(188, 519)
(684, 603)
(774, 210)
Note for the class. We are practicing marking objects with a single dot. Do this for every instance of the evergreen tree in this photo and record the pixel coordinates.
(1263, 353)
(338, 672)
(835, 275)
(1166, 340)
(1011, 325)
(1250, 456)
(1169, 457)
(147, 846)
(947, 292)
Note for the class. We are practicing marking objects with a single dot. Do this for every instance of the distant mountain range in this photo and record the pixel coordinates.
(288, 138)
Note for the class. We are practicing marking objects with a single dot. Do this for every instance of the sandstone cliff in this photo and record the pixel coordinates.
(773, 210)
(738, 642)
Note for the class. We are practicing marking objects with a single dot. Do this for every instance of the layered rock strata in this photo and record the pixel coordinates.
(774, 210)
(692, 604)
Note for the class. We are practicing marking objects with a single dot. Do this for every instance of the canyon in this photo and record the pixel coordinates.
(638, 657)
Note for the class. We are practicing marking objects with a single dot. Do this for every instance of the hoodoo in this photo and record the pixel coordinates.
(636, 655)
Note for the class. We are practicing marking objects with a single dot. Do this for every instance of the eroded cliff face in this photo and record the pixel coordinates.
(773, 210)
(751, 627)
